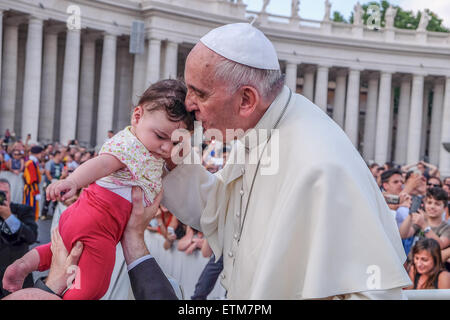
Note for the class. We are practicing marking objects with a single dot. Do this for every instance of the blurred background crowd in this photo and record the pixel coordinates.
(416, 194)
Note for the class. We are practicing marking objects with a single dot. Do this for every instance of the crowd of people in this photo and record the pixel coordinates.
(419, 201)
(416, 194)
(53, 162)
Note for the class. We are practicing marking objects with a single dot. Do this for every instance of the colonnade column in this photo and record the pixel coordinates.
(436, 121)
(444, 157)
(123, 110)
(171, 60)
(69, 97)
(415, 119)
(1, 41)
(308, 82)
(48, 94)
(370, 123)
(423, 138)
(86, 106)
(391, 123)
(403, 120)
(339, 97)
(352, 107)
(32, 80)
(139, 75)
(153, 61)
(106, 91)
(383, 117)
(321, 94)
(291, 75)
(9, 77)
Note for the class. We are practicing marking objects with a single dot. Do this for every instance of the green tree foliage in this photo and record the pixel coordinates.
(404, 19)
(338, 17)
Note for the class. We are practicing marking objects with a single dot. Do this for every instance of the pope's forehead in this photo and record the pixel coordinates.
(202, 56)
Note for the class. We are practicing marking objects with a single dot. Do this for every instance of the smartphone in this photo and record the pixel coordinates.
(392, 199)
(416, 204)
(2, 198)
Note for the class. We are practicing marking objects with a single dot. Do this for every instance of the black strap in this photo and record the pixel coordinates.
(41, 285)
(416, 279)
(436, 281)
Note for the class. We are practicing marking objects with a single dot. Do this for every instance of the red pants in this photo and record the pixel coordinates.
(97, 219)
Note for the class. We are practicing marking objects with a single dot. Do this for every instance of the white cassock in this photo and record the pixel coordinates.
(319, 227)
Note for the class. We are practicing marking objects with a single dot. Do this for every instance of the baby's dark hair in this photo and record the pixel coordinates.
(168, 95)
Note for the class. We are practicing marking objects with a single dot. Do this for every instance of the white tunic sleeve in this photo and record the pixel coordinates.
(186, 191)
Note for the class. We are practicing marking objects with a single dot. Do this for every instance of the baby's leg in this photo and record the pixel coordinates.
(16, 273)
(94, 271)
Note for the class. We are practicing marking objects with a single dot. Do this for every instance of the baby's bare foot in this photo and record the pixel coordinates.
(15, 275)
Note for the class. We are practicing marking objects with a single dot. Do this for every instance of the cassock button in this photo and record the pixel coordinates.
(238, 214)
(222, 276)
(230, 254)
(241, 192)
(242, 170)
(235, 236)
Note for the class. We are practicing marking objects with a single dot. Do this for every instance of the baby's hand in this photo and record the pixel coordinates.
(61, 190)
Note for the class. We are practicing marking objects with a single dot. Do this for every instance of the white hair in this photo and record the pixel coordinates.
(235, 75)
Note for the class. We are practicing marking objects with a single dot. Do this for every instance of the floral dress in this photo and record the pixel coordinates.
(142, 169)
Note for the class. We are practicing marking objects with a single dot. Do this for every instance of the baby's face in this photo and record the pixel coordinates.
(154, 130)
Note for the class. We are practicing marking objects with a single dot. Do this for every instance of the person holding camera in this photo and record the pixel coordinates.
(397, 200)
(17, 231)
(428, 222)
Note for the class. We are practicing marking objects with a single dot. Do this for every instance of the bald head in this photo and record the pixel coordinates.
(203, 59)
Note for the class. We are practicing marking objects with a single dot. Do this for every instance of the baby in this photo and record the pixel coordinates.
(133, 157)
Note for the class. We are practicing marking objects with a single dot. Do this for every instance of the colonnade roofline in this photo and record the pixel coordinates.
(116, 17)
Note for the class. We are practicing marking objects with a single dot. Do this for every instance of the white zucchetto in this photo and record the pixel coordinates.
(244, 44)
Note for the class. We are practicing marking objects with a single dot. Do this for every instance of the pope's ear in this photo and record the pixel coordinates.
(138, 112)
(249, 101)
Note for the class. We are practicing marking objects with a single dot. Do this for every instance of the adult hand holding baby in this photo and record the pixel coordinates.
(133, 244)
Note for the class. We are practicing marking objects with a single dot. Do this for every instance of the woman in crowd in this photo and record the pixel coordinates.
(16, 164)
(426, 269)
(434, 182)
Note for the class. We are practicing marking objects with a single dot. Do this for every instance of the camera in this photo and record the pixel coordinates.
(392, 199)
(2, 198)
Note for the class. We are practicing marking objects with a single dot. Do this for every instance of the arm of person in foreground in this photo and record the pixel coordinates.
(148, 281)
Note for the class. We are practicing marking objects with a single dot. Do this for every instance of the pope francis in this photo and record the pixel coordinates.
(314, 226)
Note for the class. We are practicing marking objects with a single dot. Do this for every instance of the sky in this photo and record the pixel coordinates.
(314, 9)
